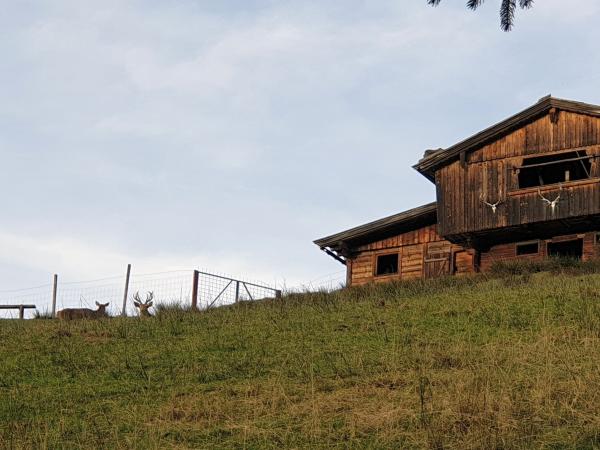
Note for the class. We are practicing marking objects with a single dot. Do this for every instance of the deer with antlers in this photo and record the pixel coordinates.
(552, 203)
(144, 306)
(83, 313)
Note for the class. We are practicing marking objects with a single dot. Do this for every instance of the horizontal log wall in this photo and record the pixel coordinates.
(361, 269)
(508, 252)
(489, 174)
(411, 248)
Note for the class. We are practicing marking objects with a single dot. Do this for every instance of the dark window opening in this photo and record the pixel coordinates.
(568, 249)
(553, 169)
(597, 238)
(530, 248)
(387, 264)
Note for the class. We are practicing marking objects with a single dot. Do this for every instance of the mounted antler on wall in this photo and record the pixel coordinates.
(494, 206)
(552, 203)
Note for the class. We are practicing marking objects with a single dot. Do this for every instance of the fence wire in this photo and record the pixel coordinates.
(216, 290)
(85, 294)
(166, 287)
(40, 295)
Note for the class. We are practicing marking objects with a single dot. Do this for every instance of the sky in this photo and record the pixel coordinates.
(229, 134)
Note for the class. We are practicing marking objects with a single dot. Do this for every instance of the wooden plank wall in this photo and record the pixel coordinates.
(508, 252)
(411, 248)
(489, 173)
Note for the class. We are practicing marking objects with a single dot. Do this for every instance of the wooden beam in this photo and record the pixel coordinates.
(550, 163)
(334, 256)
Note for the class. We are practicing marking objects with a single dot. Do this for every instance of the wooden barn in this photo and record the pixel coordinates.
(526, 188)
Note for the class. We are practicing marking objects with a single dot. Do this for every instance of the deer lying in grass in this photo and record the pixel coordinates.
(143, 306)
(83, 313)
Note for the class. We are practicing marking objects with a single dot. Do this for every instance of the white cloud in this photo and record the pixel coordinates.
(77, 260)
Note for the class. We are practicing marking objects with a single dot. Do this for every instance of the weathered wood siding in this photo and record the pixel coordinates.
(489, 173)
(413, 249)
(508, 252)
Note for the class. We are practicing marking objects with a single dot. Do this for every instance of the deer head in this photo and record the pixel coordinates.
(101, 311)
(494, 206)
(145, 305)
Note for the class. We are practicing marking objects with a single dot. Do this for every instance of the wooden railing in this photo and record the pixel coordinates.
(21, 309)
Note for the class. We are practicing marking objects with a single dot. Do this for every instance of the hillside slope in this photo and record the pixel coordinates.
(456, 363)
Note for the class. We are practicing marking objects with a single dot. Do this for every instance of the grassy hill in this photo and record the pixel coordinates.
(510, 362)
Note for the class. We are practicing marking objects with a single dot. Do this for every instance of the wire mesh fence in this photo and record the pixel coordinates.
(85, 294)
(188, 288)
(167, 288)
(39, 295)
(216, 290)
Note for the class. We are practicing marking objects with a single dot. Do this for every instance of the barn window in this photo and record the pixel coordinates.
(528, 248)
(553, 169)
(387, 264)
(568, 249)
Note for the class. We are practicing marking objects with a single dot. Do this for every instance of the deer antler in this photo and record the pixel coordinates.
(145, 305)
(494, 206)
(552, 203)
(149, 298)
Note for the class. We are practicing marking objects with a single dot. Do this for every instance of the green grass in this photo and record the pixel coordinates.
(505, 363)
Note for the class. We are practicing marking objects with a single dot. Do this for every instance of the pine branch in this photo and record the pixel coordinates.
(525, 4)
(507, 9)
(507, 14)
(474, 4)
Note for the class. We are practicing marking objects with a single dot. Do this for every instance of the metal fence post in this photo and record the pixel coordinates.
(126, 292)
(237, 291)
(277, 293)
(54, 292)
(195, 290)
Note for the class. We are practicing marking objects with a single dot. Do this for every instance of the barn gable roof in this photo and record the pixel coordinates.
(436, 159)
(382, 228)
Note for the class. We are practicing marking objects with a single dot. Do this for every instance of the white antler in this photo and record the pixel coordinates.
(494, 206)
(552, 203)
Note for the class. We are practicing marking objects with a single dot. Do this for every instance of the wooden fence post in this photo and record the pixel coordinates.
(126, 293)
(277, 294)
(54, 292)
(195, 290)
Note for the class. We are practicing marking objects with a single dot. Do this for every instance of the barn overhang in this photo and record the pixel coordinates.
(484, 240)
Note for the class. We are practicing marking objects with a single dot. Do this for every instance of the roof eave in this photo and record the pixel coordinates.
(377, 227)
(429, 165)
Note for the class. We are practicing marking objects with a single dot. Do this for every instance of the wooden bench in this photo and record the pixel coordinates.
(21, 308)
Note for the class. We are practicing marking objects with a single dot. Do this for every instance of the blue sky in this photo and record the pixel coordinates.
(228, 135)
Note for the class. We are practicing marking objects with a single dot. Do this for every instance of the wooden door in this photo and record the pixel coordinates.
(437, 260)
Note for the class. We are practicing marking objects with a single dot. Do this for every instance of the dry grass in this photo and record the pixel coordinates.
(508, 363)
